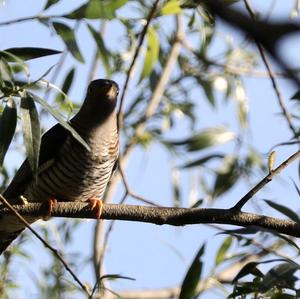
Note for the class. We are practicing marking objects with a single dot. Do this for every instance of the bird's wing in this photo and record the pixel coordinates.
(51, 143)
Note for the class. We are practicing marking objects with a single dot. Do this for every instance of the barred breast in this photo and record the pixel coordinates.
(77, 174)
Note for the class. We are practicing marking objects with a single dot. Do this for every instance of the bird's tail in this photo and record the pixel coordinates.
(10, 228)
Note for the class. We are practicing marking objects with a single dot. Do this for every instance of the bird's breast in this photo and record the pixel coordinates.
(77, 174)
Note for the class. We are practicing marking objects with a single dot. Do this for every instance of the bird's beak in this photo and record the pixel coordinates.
(112, 91)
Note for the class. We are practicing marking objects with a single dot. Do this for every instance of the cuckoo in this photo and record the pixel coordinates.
(68, 171)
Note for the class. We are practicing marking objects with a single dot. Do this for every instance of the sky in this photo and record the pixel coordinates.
(157, 256)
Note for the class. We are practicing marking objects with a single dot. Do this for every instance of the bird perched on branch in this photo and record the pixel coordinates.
(68, 171)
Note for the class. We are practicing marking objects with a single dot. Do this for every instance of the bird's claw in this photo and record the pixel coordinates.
(96, 205)
(51, 202)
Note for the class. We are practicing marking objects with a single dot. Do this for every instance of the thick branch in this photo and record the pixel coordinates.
(161, 215)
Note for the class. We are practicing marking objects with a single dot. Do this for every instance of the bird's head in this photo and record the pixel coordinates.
(103, 92)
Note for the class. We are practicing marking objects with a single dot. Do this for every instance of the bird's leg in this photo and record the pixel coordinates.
(96, 205)
(51, 202)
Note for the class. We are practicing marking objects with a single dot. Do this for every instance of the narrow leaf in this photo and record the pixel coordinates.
(151, 54)
(66, 85)
(223, 250)
(171, 7)
(60, 118)
(191, 280)
(202, 160)
(206, 138)
(31, 131)
(8, 123)
(95, 9)
(67, 34)
(27, 53)
(284, 210)
(50, 3)
(103, 52)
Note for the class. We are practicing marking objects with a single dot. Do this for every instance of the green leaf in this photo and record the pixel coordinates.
(191, 280)
(202, 160)
(31, 130)
(66, 86)
(151, 54)
(221, 254)
(250, 268)
(208, 89)
(67, 34)
(115, 276)
(28, 53)
(60, 118)
(280, 275)
(284, 210)
(8, 123)
(103, 52)
(95, 9)
(171, 7)
(50, 3)
(226, 177)
(206, 138)
(5, 70)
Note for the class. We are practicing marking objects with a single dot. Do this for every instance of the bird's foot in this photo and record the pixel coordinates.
(96, 205)
(51, 202)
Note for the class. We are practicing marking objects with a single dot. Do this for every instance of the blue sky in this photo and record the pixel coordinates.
(147, 252)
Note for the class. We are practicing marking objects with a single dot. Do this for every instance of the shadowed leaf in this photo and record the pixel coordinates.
(66, 86)
(8, 123)
(151, 53)
(50, 3)
(60, 118)
(67, 34)
(191, 280)
(103, 52)
(28, 53)
(202, 160)
(284, 210)
(31, 131)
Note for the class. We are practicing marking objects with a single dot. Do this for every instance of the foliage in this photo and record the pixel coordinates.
(198, 80)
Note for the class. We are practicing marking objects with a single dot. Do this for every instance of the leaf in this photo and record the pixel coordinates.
(60, 118)
(5, 70)
(31, 130)
(175, 180)
(250, 268)
(202, 160)
(221, 254)
(67, 34)
(151, 53)
(208, 89)
(8, 123)
(66, 86)
(28, 53)
(50, 3)
(95, 9)
(115, 276)
(171, 7)
(284, 210)
(191, 280)
(296, 96)
(281, 275)
(206, 138)
(103, 52)
(226, 177)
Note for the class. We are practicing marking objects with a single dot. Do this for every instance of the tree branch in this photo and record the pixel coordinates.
(160, 215)
(264, 181)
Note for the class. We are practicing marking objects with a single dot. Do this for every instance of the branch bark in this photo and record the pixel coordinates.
(161, 215)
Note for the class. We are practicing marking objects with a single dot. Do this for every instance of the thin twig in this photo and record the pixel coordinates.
(264, 181)
(271, 75)
(131, 67)
(46, 244)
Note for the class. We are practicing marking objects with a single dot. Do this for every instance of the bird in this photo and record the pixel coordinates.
(67, 170)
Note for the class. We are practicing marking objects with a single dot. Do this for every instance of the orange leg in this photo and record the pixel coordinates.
(51, 202)
(96, 205)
